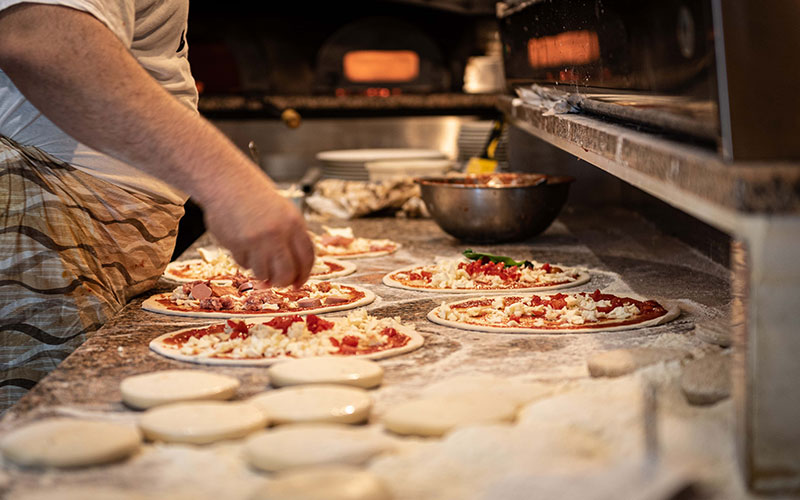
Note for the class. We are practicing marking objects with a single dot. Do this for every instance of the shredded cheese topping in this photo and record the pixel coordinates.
(553, 311)
(297, 341)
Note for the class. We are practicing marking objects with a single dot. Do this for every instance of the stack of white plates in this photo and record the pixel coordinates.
(349, 164)
(472, 138)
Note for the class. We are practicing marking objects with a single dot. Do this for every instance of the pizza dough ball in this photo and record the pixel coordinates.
(69, 442)
(201, 422)
(618, 362)
(521, 392)
(170, 386)
(325, 483)
(437, 415)
(305, 445)
(707, 380)
(326, 370)
(315, 403)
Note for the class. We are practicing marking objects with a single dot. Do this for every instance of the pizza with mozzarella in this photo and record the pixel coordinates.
(341, 243)
(218, 265)
(243, 297)
(558, 313)
(263, 342)
(466, 276)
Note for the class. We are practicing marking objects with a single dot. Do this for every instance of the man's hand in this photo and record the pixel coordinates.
(79, 74)
(265, 232)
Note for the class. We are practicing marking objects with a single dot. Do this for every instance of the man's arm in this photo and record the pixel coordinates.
(78, 73)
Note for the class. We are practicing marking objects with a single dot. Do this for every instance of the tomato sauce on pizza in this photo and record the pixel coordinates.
(251, 296)
(245, 297)
(557, 312)
(293, 336)
(460, 275)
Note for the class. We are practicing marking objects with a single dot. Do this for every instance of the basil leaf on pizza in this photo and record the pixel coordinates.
(497, 259)
(264, 342)
(561, 312)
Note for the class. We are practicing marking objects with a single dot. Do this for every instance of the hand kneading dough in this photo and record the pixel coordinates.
(201, 422)
(315, 403)
(326, 370)
(325, 483)
(170, 386)
(68, 442)
(305, 445)
(437, 415)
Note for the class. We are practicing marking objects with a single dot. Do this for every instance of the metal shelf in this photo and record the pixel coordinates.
(267, 105)
(691, 178)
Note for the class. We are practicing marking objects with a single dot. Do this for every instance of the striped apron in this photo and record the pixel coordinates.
(73, 250)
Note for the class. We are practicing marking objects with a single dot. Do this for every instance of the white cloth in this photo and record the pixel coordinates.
(155, 33)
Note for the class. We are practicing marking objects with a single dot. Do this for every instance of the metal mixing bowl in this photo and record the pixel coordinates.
(495, 208)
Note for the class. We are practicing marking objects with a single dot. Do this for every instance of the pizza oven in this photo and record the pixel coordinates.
(380, 56)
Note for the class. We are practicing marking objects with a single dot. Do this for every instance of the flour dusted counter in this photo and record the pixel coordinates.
(578, 436)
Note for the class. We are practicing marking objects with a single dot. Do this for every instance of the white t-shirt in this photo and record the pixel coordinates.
(155, 33)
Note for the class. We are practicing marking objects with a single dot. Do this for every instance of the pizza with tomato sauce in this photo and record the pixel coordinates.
(239, 342)
(466, 276)
(558, 313)
(341, 243)
(218, 265)
(244, 297)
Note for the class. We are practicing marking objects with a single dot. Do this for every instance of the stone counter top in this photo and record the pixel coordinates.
(627, 254)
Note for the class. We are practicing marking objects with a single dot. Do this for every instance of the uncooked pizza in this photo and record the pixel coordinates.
(243, 297)
(217, 265)
(341, 243)
(485, 273)
(560, 312)
(357, 335)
